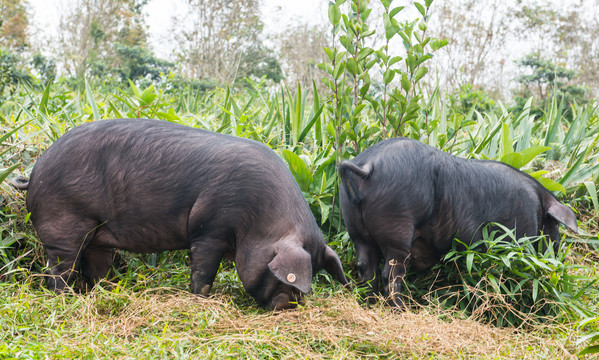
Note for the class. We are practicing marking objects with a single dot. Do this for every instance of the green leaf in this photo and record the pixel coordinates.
(324, 211)
(92, 102)
(318, 124)
(326, 67)
(310, 124)
(548, 183)
(411, 62)
(347, 43)
(588, 337)
(593, 349)
(530, 153)
(169, 116)
(353, 67)
(469, 260)
(115, 111)
(494, 283)
(339, 68)
(420, 8)
(391, 26)
(364, 53)
(134, 89)
(395, 11)
(364, 89)
(420, 72)
(592, 189)
(512, 159)
(298, 168)
(564, 180)
(44, 102)
(366, 80)
(365, 34)
(405, 83)
(10, 133)
(388, 76)
(394, 60)
(6, 172)
(148, 95)
(334, 14)
(405, 38)
(506, 140)
(535, 289)
(370, 64)
(329, 53)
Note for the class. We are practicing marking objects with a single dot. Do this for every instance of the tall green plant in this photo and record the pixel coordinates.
(351, 62)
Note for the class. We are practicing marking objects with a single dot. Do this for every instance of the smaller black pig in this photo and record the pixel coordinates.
(148, 186)
(404, 201)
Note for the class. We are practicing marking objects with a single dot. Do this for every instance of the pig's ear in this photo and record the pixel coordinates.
(333, 266)
(292, 265)
(563, 214)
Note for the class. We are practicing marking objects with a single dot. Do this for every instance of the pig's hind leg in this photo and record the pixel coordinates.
(65, 239)
(396, 256)
(97, 259)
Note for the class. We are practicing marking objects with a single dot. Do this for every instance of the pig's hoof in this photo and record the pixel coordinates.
(395, 303)
(205, 290)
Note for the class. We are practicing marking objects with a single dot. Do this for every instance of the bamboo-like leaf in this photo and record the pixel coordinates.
(6, 172)
(309, 125)
(565, 180)
(298, 168)
(592, 189)
(134, 89)
(506, 140)
(593, 349)
(45, 97)
(554, 120)
(530, 153)
(469, 260)
(92, 102)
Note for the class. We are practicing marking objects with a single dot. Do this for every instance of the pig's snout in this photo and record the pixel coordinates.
(283, 301)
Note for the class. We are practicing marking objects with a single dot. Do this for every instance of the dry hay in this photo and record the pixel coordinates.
(339, 325)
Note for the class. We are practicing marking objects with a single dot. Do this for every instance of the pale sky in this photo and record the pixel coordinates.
(277, 14)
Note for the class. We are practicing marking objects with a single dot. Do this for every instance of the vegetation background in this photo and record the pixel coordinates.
(513, 81)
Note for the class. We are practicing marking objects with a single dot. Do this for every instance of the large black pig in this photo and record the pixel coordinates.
(404, 201)
(147, 186)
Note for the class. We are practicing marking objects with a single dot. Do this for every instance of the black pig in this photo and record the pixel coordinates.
(148, 186)
(404, 201)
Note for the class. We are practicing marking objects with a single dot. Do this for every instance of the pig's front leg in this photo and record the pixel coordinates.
(394, 270)
(206, 254)
(369, 258)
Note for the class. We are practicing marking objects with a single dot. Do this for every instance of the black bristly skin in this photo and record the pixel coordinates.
(403, 202)
(147, 186)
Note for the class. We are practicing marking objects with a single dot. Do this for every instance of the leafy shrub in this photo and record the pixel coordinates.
(508, 281)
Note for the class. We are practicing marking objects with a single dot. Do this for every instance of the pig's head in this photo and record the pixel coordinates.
(288, 275)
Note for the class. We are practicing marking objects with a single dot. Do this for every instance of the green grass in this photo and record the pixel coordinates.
(171, 323)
